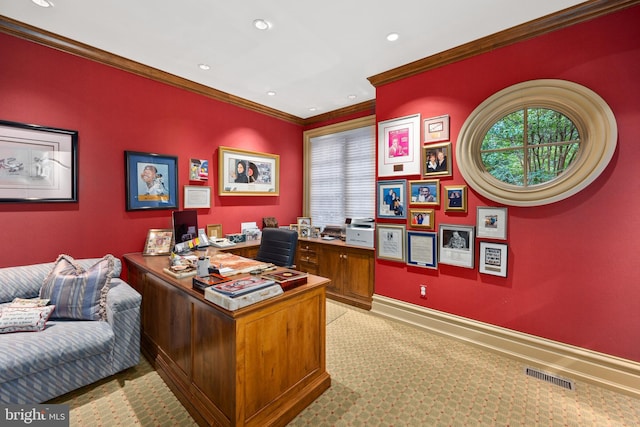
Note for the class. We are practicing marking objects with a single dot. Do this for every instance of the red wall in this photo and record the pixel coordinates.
(114, 111)
(573, 270)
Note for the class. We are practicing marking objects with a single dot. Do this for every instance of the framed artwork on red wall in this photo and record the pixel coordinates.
(243, 173)
(399, 146)
(151, 181)
(38, 163)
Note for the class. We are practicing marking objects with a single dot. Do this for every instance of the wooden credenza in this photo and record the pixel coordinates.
(350, 268)
(256, 366)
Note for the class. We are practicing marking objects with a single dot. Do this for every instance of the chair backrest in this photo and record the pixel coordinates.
(278, 246)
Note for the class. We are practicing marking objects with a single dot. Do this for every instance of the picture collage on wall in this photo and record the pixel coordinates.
(408, 147)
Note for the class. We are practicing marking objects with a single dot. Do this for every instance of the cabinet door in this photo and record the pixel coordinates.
(358, 274)
(330, 265)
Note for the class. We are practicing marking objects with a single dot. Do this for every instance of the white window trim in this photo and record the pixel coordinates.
(589, 112)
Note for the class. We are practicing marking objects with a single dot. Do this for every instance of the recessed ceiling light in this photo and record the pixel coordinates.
(352, 96)
(261, 24)
(313, 109)
(392, 37)
(271, 93)
(43, 3)
(204, 67)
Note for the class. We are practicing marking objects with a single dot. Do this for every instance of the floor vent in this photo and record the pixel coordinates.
(550, 378)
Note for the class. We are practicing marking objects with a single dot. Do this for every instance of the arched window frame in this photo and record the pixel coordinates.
(588, 111)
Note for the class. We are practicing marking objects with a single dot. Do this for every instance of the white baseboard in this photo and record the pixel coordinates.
(572, 362)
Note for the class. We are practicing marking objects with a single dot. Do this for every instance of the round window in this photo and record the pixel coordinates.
(536, 142)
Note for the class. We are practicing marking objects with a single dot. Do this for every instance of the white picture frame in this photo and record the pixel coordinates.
(493, 258)
(491, 222)
(456, 245)
(399, 146)
(197, 196)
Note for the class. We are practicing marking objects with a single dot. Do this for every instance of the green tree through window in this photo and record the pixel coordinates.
(538, 155)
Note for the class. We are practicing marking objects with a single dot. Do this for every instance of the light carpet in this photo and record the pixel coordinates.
(383, 373)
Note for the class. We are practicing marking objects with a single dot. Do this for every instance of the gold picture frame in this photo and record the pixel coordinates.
(243, 172)
(422, 218)
(215, 231)
(455, 198)
(159, 242)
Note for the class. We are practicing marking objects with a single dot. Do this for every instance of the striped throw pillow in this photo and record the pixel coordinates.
(78, 293)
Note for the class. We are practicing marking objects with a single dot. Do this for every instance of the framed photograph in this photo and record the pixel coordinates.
(422, 218)
(492, 222)
(399, 146)
(391, 199)
(425, 192)
(37, 163)
(315, 232)
(197, 196)
(304, 221)
(159, 242)
(436, 129)
(151, 181)
(455, 198)
(493, 258)
(422, 249)
(304, 231)
(244, 172)
(198, 170)
(436, 160)
(457, 245)
(215, 230)
(390, 242)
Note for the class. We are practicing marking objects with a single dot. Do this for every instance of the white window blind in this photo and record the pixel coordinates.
(342, 176)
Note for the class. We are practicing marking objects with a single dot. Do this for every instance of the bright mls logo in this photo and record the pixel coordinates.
(34, 415)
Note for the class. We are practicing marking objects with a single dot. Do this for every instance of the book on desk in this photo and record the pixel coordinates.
(235, 294)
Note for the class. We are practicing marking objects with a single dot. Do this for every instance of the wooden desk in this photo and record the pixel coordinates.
(256, 366)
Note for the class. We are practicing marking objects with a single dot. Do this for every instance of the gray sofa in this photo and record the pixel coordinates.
(67, 354)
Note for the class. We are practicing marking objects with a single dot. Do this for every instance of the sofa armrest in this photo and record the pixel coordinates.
(123, 314)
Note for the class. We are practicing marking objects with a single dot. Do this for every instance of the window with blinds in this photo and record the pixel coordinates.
(341, 180)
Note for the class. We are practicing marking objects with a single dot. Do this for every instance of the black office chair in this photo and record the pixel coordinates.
(278, 246)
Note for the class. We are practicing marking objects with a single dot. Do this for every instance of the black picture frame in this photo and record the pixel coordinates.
(37, 163)
(161, 189)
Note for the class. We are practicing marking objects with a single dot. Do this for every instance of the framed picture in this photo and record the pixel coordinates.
(493, 258)
(436, 160)
(457, 245)
(197, 196)
(244, 172)
(422, 218)
(399, 146)
(315, 232)
(215, 230)
(151, 181)
(425, 192)
(304, 231)
(455, 198)
(391, 199)
(422, 249)
(304, 221)
(390, 242)
(37, 163)
(436, 129)
(492, 222)
(198, 170)
(159, 242)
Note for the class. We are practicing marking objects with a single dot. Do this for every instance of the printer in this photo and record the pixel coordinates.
(360, 232)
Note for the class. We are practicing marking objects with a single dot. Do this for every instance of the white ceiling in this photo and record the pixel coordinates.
(316, 54)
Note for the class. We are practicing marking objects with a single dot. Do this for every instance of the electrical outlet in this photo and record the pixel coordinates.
(423, 291)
